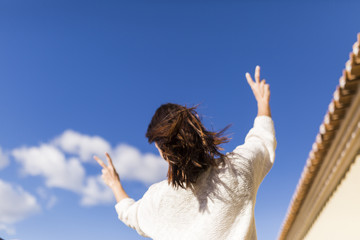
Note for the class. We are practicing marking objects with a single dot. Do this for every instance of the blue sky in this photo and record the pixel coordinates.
(81, 77)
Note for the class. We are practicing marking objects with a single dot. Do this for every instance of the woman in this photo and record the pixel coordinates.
(208, 195)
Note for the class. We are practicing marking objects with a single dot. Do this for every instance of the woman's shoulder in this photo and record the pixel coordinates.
(157, 186)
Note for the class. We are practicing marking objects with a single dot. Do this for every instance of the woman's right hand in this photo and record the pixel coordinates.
(261, 92)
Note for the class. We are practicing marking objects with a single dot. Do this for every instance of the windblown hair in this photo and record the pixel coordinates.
(186, 145)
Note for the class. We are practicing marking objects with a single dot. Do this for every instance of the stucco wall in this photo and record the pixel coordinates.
(340, 218)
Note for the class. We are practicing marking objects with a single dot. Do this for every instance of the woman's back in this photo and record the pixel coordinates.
(221, 203)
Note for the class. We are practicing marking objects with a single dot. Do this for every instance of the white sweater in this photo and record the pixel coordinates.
(222, 204)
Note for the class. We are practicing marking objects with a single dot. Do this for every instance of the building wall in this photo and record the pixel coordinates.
(340, 218)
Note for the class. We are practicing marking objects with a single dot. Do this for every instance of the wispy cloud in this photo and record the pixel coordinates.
(4, 160)
(7, 229)
(15, 205)
(49, 198)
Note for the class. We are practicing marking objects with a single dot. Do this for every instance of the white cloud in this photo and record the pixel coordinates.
(131, 164)
(4, 160)
(59, 163)
(15, 205)
(96, 192)
(50, 162)
(82, 145)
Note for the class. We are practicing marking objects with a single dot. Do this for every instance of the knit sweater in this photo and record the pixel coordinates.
(220, 206)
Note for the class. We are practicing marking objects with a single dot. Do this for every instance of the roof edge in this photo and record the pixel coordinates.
(342, 99)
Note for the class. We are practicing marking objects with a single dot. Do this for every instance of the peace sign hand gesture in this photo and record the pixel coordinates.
(261, 92)
(109, 174)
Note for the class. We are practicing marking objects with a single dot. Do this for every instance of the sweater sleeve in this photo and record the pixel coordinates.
(259, 147)
(127, 210)
(137, 214)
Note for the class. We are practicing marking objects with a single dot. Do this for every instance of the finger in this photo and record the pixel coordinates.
(262, 84)
(100, 162)
(109, 159)
(103, 171)
(257, 74)
(267, 91)
(249, 79)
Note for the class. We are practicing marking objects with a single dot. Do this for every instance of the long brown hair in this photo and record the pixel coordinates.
(186, 145)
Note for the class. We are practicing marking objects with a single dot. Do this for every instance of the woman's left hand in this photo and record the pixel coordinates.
(109, 174)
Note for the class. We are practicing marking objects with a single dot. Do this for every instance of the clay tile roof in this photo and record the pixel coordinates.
(343, 95)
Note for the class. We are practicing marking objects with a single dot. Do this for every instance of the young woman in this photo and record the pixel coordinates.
(208, 195)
